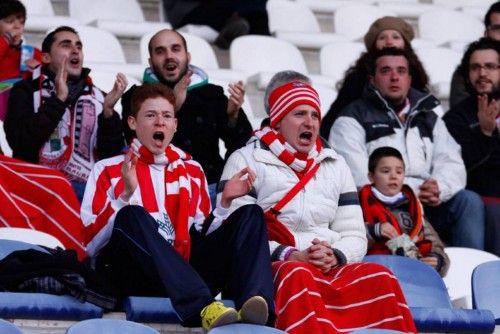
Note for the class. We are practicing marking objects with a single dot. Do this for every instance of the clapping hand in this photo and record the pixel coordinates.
(114, 95)
(239, 185)
(236, 98)
(129, 176)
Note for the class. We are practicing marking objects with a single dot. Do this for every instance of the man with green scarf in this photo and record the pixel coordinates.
(205, 115)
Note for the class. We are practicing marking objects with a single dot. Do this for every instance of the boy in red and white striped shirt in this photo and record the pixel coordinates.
(148, 224)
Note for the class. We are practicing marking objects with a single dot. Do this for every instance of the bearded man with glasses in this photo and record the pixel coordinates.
(475, 123)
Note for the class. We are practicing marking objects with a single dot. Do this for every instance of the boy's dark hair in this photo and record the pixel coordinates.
(149, 91)
(50, 38)
(12, 7)
(494, 8)
(382, 152)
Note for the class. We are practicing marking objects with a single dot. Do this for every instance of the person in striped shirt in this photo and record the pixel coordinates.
(148, 225)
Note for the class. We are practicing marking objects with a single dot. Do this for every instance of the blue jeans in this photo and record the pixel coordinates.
(461, 220)
(212, 191)
(79, 188)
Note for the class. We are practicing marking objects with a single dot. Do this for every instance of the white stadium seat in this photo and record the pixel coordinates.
(295, 22)
(123, 18)
(353, 21)
(40, 16)
(336, 58)
(446, 25)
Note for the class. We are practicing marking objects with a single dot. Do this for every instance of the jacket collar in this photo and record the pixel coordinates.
(420, 101)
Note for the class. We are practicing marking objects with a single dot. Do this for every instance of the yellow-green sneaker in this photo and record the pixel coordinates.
(217, 314)
(254, 311)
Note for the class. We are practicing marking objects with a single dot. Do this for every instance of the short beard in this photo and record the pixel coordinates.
(495, 93)
(172, 83)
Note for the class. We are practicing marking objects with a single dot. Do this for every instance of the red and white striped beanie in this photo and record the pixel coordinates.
(285, 98)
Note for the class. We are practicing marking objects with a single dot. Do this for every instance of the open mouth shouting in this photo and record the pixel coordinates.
(158, 138)
(171, 67)
(305, 138)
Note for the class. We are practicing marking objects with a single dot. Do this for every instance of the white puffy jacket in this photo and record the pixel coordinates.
(428, 149)
(327, 208)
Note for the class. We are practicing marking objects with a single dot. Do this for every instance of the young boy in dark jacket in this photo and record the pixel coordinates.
(393, 214)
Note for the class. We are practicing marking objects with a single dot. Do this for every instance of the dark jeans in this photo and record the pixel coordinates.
(493, 228)
(461, 220)
(234, 259)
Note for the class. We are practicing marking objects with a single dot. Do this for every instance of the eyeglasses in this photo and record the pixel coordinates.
(488, 67)
(494, 27)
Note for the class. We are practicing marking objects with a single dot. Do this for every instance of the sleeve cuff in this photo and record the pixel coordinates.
(220, 214)
(119, 203)
(341, 258)
(282, 253)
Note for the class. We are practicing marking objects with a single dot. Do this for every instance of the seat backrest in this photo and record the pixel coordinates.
(462, 263)
(38, 7)
(7, 327)
(460, 3)
(252, 54)
(353, 21)
(110, 326)
(326, 96)
(30, 236)
(439, 62)
(100, 46)
(8, 246)
(117, 10)
(245, 329)
(202, 54)
(291, 16)
(421, 284)
(453, 26)
(336, 58)
(486, 289)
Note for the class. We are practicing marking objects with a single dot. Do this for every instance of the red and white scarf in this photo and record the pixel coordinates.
(177, 194)
(299, 162)
(71, 147)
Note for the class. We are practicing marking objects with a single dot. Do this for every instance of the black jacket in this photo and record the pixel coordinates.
(481, 153)
(27, 131)
(202, 121)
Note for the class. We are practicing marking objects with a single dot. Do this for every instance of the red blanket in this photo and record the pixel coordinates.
(354, 296)
(41, 199)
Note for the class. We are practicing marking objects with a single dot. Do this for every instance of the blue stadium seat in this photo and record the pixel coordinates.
(486, 288)
(110, 326)
(41, 305)
(154, 309)
(245, 329)
(45, 306)
(8, 328)
(428, 298)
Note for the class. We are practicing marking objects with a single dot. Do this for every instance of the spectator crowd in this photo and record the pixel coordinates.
(292, 206)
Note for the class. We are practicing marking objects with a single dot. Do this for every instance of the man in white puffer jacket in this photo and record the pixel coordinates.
(318, 234)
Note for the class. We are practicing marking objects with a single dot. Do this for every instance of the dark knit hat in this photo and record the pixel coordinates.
(388, 23)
